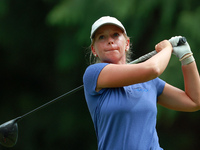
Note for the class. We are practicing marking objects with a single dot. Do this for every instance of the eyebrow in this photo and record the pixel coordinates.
(101, 32)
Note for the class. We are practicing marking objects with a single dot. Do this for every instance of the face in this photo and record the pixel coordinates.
(110, 44)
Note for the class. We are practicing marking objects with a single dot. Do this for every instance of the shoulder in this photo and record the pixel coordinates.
(158, 82)
(159, 85)
(91, 75)
(94, 68)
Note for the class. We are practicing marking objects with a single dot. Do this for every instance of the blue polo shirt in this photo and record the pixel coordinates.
(124, 118)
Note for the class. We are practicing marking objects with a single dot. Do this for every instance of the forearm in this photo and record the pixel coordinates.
(161, 59)
(192, 82)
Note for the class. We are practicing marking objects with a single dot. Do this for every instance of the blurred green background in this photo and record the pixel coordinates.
(43, 47)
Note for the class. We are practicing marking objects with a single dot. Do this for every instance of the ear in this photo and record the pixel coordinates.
(127, 44)
(93, 50)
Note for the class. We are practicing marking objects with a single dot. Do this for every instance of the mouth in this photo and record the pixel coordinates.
(111, 50)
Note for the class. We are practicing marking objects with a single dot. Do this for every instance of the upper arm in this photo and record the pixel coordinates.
(176, 99)
(115, 75)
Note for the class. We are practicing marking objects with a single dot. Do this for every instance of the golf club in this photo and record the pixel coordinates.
(9, 130)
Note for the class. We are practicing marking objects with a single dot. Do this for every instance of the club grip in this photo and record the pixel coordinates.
(182, 41)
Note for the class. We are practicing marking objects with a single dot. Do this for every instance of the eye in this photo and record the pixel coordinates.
(101, 37)
(116, 34)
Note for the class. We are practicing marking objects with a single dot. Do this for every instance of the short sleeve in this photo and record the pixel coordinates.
(160, 84)
(90, 77)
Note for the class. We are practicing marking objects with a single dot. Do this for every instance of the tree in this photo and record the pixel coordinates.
(43, 45)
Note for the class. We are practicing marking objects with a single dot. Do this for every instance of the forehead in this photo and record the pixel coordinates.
(108, 27)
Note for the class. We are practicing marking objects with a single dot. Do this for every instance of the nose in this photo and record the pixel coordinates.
(110, 41)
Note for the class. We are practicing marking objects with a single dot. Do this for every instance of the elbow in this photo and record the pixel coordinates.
(196, 100)
(155, 71)
(152, 70)
(197, 108)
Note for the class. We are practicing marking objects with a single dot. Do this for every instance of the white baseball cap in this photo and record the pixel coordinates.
(106, 20)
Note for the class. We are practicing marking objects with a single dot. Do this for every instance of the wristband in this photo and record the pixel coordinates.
(187, 59)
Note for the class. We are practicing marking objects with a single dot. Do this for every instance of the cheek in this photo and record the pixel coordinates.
(99, 47)
(96, 48)
(122, 41)
(123, 44)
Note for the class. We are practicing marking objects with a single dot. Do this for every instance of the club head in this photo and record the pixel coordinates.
(9, 133)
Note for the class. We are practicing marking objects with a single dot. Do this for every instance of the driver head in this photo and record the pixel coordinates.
(9, 133)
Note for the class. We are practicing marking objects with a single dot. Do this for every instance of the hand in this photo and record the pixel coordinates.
(181, 50)
(163, 44)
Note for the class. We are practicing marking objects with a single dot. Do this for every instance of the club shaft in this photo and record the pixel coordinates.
(140, 59)
(182, 41)
(52, 101)
(144, 57)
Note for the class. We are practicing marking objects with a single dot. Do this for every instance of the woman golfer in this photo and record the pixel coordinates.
(122, 98)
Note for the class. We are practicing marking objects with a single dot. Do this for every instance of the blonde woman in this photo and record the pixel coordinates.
(122, 98)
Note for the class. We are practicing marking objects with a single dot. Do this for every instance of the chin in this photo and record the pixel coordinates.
(112, 61)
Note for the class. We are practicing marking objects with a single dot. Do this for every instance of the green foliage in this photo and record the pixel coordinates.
(43, 46)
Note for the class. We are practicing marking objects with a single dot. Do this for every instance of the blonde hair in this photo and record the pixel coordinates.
(94, 60)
